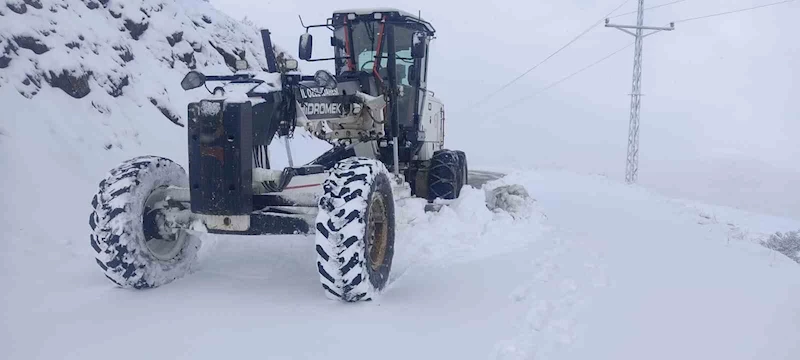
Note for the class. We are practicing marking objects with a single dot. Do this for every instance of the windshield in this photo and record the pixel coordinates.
(365, 41)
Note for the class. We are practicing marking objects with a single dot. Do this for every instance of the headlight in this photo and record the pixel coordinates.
(291, 64)
(325, 79)
(241, 65)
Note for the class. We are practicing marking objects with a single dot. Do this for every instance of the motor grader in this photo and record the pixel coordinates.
(386, 131)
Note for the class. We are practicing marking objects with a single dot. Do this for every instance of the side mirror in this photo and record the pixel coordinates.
(412, 74)
(193, 80)
(306, 42)
(418, 45)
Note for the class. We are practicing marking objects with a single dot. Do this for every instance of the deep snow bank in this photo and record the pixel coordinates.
(465, 229)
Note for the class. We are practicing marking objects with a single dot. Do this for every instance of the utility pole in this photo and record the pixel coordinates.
(632, 167)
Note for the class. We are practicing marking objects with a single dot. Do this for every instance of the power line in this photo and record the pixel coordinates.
(650, 8)
(556, 83)
(549, 57)
(734, 11)
(608, 16)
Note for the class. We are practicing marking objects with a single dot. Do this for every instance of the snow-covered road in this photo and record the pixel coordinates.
(609, 272)
(478, 178)
(639, 276)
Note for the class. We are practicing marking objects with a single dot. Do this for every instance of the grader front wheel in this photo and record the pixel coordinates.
(355, 230)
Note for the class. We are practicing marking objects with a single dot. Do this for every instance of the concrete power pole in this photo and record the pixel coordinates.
(632, 167)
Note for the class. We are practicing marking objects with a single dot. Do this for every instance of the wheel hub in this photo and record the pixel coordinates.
(377, 232)
(163, 224)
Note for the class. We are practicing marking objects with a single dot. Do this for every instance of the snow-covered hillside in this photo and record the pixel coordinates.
(123, 61)
(87, 84)
(130, 49)
(592, 269)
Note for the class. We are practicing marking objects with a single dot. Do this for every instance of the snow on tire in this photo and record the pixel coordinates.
(445, 175)
(355, 230)
(129, 255)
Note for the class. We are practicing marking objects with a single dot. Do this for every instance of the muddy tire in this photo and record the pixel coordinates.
(132, 247)
(355, 230)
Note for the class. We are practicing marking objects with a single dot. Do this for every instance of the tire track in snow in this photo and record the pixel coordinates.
(564, 278)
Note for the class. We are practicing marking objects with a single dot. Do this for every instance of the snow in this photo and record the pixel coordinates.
(367, 11)
(586, 268)
(210, 108)
(573, 278)
(132, 192)
(238, 97)
(271, 82)
(653, 280)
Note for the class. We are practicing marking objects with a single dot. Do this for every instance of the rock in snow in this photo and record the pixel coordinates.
(121, 48)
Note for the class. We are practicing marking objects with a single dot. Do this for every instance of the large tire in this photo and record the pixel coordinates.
(131, 248)
(445, 175)
(462, 158)
(355, 230)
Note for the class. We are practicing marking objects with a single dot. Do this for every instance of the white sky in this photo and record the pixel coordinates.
(720, 89)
